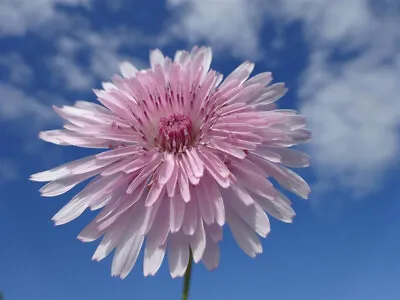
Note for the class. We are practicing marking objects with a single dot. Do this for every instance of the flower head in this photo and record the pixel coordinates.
(186, 152)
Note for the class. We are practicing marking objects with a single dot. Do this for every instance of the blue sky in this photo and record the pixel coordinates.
(341, 62)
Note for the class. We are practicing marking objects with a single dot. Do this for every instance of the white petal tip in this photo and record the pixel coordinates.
(173, 275)
(94, 257)
(221, 223)
(85, 239)
(127, 69)
(44, 194)
(57, 222)
(197, 259)
(147, 274)
(37, 177)
(265, 234)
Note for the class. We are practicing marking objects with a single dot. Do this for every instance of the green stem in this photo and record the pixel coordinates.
(188, 275)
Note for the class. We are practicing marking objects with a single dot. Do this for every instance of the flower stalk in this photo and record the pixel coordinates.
(188, 275)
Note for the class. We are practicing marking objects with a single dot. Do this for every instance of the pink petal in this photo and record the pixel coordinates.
(166, 168)
(119, 152)
(63, 185)
(277, 208)
(114, 235)
(143, 175)
(290, 157)
(127, 201)
(262, 78)
(255, 184)
(183, 184)
(153, 257)
(241, 73)
(248, 167)
(217, 174)
(271, 94)
(178, 254)
(107, 244)
(211, 255)
(69, 212)
(67, 137)
(191, 218)
(267, 154)
(171, 184)
(195, 162)
(244, 235)
(188, 170)
(214, 232)
(253, 215)
(205, 203)
(211, 161)
(159, 230)
(228, 148)
(126, 255)
(80, 166)
(242, 194)
(117, 167)
(288, 179)
(198, 241)
(154, 193)
(177, 212)
(216, 200)
(129, 245)
(91, 232)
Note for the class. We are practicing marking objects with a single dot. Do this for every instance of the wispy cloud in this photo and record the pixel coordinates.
(22, 116)
(103, 52)
(16, 104)
(350, 89)
(233, 26)
(18, 71)
(19, 17)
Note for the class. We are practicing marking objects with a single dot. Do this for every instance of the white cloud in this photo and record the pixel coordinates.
(352, 102)
(15, 104)
(71, 34)
(19, 16)
(64, 65)
(355, 117)
(22, 116)
(227, 25)
(104, 54)
(19, 72)
(329, 22)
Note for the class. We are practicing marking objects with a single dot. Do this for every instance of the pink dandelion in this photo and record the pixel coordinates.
(186, 153)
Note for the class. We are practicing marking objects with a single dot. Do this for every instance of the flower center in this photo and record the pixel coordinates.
(175, 133)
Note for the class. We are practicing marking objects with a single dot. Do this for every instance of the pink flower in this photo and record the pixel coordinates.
(188, 152)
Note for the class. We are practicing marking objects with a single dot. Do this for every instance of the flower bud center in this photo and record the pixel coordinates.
(175, 133)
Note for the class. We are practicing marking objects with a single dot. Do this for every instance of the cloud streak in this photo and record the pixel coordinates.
(232, 26)
(19, 17)
(352, 99)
